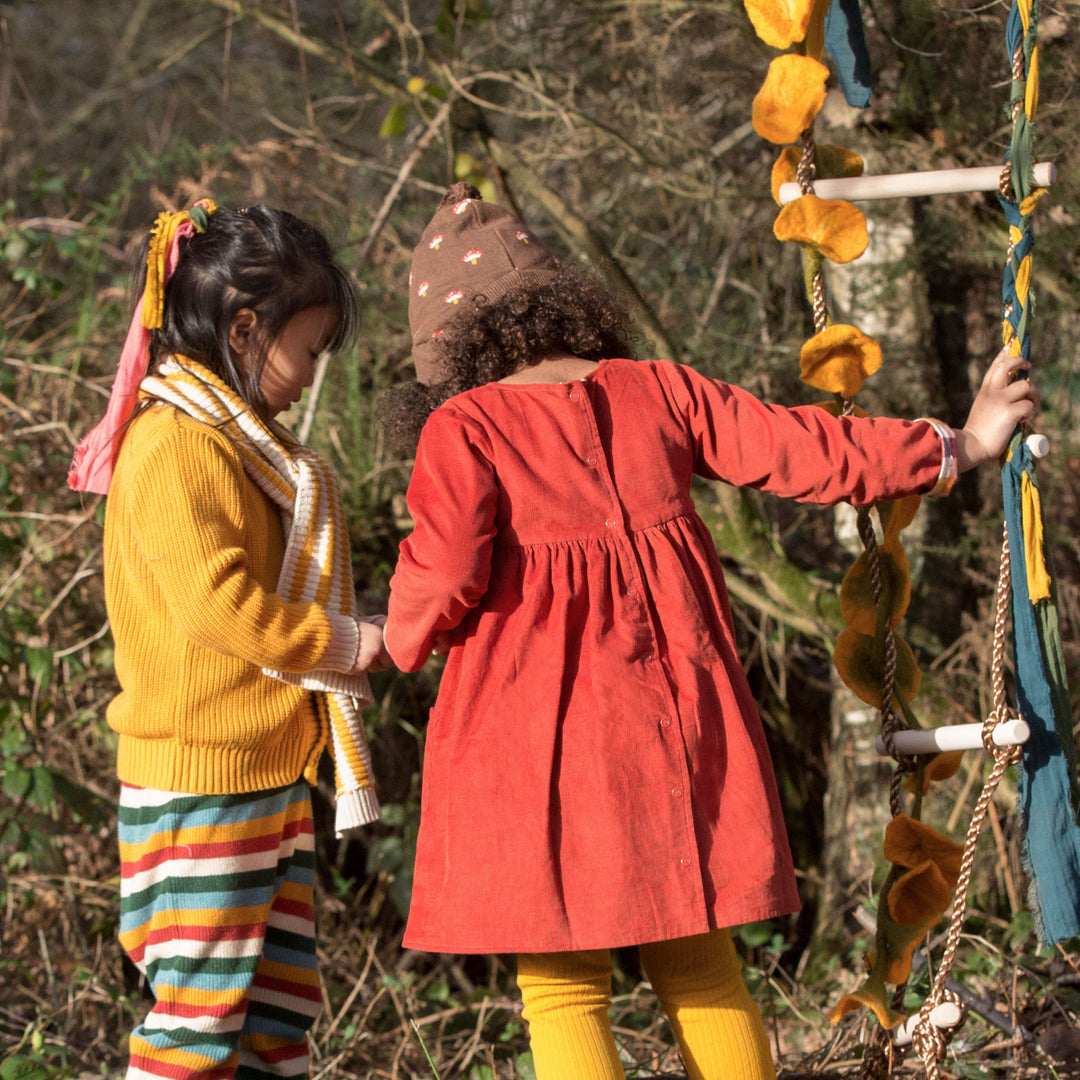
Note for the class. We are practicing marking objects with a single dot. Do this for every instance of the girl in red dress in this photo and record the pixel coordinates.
(595, 772)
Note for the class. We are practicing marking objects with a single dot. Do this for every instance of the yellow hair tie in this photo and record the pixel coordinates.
(161, 242)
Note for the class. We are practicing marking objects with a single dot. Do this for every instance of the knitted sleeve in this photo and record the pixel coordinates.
(444, 564)
(186, 504)
(801, 453)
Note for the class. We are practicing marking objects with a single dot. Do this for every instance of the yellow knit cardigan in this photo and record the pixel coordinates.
(193, 550)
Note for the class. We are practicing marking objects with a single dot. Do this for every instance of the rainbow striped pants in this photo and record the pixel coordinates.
(216, 909)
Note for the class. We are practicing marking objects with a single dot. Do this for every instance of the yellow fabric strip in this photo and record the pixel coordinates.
(1038, 580)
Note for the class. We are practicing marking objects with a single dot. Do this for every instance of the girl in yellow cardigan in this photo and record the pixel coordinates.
(238, 650)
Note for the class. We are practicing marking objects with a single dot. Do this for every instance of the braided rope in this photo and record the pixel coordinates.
(1005, 184)
(805, 174)
(890, 719)
(930, 1042)
(877, 1061)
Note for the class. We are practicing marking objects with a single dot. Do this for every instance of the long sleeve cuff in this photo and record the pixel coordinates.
(356, 808)
(949, 462)
(344, 644)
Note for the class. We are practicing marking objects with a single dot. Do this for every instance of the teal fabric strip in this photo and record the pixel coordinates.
(1048, 786)
(846, 44)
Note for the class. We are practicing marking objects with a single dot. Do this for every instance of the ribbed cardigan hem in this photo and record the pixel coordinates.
(201, 770)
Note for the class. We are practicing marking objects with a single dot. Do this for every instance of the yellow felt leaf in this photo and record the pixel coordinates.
(857, 589)
(779, 23)
(834, 162)
(869, 996)
(792, 95)
(860, 662)
(830, 163)
(783, 170)
(834, 227)
(838, 359)
(909, 843)
(898, 515)
(939, 767)
(872, 994)
(920, 894)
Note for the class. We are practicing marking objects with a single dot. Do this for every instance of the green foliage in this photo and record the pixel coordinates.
(392, 857)
(26, 1067)
(394, 123)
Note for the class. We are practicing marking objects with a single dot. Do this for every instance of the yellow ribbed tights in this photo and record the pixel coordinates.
(700, 986)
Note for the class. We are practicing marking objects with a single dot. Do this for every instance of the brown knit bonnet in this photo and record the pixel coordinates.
(470, 249)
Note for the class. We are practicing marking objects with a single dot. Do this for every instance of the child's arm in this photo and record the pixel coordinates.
(805, 453)
(371, 654)
(444, 564)
(1004, 400)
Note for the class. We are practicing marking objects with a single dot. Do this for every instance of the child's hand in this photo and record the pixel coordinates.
(372, 654)
(1003, 401)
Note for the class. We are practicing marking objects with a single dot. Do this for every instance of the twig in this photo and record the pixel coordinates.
(357, 987)
(378, 222)
(353, 66)
(83, 571)
(1015, 903)
(64, 373)
(714, 296)
(82, 644)
(974, 772)
(49, 973)
(302, 59)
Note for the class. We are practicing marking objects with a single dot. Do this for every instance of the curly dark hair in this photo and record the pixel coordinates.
(574, 313)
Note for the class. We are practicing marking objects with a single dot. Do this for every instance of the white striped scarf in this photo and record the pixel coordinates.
(316, 567)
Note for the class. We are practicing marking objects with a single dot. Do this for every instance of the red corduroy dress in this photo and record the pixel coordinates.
(595, 771)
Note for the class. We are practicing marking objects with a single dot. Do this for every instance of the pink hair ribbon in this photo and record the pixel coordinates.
(92, 465)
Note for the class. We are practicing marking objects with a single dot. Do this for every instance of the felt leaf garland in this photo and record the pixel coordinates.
(860, 661)
(780, 23)
(839, 359)
(857, 590)
(939, 767)
(791, 97)
(830, 162)
(910, 843)
(833, 227)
